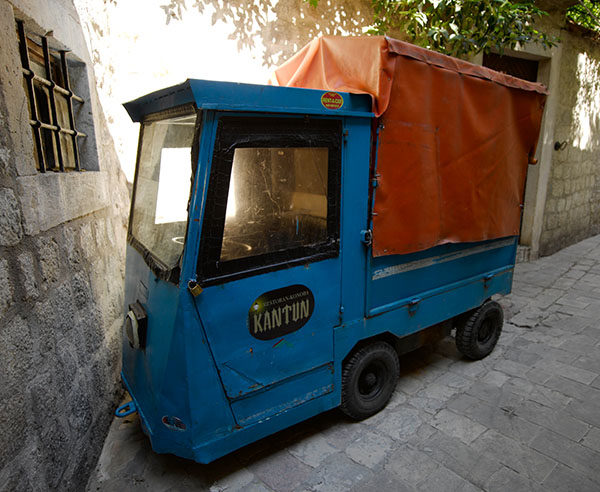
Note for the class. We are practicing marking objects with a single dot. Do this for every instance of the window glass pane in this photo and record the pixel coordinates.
(37, 67)
(62, 111)
(277, 200)
(66, 147)
(49, 146)
(162, 187)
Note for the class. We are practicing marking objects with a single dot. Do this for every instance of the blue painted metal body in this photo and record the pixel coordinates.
(203, 386)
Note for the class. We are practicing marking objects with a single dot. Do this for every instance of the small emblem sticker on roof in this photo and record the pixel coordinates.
(332, 100)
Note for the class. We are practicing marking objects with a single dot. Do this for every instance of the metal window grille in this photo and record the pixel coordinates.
(51, 104)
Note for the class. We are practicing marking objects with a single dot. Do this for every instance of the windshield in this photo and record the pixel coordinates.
(162, 187)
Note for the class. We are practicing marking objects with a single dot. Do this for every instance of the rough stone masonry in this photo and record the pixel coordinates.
(62, 239)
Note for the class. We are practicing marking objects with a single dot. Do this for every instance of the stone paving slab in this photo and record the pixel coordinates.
(525, 418)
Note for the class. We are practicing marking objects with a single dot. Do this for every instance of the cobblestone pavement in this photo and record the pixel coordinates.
(525, 418)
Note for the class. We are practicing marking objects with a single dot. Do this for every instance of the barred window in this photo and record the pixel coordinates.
(51, 100)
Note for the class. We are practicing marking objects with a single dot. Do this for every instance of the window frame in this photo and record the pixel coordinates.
(53, 89)
(157, 267)
(273, 131)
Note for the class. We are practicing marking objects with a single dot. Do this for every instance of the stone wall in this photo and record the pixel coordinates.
(562, 197)
(573, 196)
(62, 239)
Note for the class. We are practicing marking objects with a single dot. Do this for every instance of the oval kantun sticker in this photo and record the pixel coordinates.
(280, 312)
(332, 100)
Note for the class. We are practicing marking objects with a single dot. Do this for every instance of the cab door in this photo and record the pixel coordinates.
(269, 259)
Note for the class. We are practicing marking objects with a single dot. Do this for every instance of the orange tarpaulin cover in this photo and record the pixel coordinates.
(455, 138)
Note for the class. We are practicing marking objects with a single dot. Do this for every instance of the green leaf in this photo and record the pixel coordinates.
(462, 27)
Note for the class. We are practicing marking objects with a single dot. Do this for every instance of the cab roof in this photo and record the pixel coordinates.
(232, 96)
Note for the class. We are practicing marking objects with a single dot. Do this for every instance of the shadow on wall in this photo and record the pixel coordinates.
(283, 27)
(573, 203)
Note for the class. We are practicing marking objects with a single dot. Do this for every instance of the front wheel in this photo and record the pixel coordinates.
(369, 378)
(477, 334)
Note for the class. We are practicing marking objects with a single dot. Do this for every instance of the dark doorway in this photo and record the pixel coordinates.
(517, 67)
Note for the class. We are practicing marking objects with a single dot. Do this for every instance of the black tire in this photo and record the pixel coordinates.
(369, 378)
(477, 336)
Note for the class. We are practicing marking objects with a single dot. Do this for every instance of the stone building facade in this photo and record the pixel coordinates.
(62, 240)
(562, 198)
(572, 210)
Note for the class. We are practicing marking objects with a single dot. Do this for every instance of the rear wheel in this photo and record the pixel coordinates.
(369, 378)
(478, 333)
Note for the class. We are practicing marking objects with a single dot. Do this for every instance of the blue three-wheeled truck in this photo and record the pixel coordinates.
(254, 297)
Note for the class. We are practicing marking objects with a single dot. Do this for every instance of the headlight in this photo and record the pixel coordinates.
(136, 325)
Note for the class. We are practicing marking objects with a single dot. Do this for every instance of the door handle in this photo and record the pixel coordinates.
(366, 237)
(412, 306)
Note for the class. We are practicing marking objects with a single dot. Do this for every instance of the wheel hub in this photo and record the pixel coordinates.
(485, 331)
(370, 381)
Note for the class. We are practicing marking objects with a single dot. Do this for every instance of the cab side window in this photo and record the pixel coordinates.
(273, 197)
